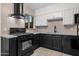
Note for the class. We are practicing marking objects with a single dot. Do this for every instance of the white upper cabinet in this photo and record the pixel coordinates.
(41, 21)
(68, 17)
(76, 10)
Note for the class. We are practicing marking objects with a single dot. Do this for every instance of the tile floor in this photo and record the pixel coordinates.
(47, 52)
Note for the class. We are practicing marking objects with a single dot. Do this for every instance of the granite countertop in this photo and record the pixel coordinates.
(20, 34)
(53, 33)
(60, 34)
(8, 36)
(16, 35)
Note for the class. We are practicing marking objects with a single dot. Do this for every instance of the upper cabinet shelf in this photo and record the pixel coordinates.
(68, 17)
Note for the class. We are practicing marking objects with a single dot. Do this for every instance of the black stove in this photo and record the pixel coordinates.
(24, 41)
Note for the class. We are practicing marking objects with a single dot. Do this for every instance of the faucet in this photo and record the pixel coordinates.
(55, 29)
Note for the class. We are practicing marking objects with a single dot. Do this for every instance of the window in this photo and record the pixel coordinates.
(28, 21)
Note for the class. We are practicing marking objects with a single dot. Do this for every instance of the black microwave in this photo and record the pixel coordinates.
(76, 17)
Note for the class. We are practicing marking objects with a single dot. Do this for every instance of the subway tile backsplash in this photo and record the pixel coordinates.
(69, 29)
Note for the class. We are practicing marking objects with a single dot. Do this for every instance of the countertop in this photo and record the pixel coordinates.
(52, 33)
(20, 34)
(16, 35)
(8, 36)
(60, 34)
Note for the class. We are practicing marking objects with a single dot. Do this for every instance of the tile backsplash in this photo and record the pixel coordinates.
(65, 29)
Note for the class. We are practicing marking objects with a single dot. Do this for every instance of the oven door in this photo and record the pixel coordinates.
(24, 46)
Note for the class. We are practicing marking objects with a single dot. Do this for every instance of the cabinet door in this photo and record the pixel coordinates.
(46, 41)
(8, 46)
(13, 47)
(57, 43)
(66, 42)
(68, 17)
(41, 21)
(4, 47)
(35, 41)
(70, 45)
(67, 45)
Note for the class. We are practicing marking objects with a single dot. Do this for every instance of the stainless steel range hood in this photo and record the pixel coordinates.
(18, 11)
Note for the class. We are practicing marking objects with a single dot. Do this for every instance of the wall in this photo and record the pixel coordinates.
(48, 13)
(7, 22)
(28, 10)
(0, 29)
(0, 19)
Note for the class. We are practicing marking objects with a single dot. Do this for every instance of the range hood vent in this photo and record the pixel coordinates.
(18, 11)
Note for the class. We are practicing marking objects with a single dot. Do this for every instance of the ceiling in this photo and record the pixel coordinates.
(35, 6)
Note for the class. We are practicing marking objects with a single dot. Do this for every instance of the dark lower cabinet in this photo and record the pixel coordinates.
(51, 41)
(70, 45)
(41, 40)
(75, 46)
(35, 41)
(13, 47)
(46, 41)
(57, 42)
(8, 46)
(64, 43)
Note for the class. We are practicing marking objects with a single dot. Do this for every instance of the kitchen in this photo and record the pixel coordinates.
(51, 28)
